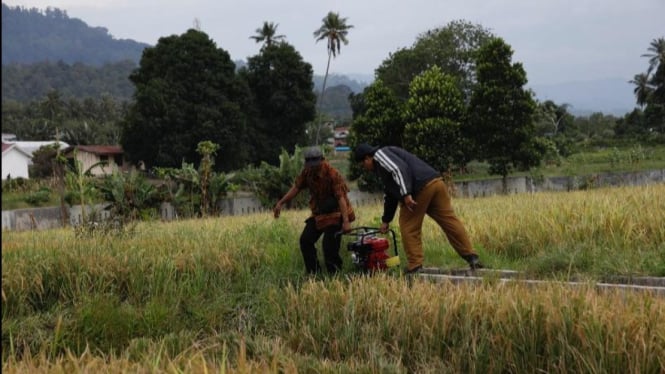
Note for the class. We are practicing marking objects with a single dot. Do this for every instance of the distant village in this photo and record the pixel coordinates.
(17, 155)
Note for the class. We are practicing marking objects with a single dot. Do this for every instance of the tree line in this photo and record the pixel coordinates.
(454, 96)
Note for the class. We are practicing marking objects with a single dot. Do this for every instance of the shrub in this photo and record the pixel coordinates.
(17, 185)
(40, 197)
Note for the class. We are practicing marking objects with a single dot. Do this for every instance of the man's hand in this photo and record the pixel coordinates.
(277, 209)
(410, 203)
(384, 227)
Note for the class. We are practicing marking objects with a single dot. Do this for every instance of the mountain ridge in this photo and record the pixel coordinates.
(35, 36)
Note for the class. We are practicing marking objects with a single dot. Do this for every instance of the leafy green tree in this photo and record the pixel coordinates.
(334, 30)
(632, 125)
(282, 89)
(378, 121)
(267, 34)
(596, 128)
(42, 161)
(186, 91)
(552, 119)
(434, 114)
(269, 183)
(129, 194)
(451, 47)
(501, 112)
(554, 122)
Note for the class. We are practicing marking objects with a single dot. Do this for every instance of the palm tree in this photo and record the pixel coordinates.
(267, 34)
(657, 55)
(642, 89)
(334, 29)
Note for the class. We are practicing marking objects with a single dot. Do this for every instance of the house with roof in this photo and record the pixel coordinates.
(98, 159)
(17, 156)
(15, 161)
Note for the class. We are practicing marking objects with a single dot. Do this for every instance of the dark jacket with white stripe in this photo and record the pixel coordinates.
(402, 173)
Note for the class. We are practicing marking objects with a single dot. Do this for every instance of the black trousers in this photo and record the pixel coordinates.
(331, 243)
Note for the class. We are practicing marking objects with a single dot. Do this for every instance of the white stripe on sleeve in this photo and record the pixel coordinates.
(396, 172)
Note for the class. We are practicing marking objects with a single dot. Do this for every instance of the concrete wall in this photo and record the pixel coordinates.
(45, 218)
(527, 184)
(31, 219)
(240, 206)
(95, 212)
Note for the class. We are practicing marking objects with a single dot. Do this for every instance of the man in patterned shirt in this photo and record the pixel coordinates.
(331, 210)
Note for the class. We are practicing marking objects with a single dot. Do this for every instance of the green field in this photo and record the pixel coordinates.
(600, 160)
(229, 295)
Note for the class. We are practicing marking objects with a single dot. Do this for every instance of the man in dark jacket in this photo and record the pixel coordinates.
(331, 210)
(419, 189)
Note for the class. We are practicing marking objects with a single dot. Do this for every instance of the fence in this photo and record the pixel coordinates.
(46, 218)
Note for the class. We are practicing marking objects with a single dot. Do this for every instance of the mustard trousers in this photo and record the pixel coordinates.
(434, 201)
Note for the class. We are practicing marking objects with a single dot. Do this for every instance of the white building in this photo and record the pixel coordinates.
(17, 156)
(15, 161)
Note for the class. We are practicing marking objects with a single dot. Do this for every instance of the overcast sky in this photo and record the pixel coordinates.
(556, 40)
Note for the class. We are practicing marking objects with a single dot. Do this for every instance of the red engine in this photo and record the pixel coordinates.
(370, 253)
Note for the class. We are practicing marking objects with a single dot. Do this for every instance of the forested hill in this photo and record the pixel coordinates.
(45, 50)
(34, 35)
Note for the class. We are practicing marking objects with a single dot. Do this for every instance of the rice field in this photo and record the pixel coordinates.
(229, 295)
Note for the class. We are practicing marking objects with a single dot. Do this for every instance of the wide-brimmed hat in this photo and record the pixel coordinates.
(313, 156)
(362, 150)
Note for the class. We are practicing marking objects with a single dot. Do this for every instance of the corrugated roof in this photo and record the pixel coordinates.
(8, 146)
(30, 147)
(98, 149)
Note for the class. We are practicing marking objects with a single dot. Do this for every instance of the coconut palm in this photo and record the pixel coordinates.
(642, 89)
(334, 29)
(267, 34)
(657, 55)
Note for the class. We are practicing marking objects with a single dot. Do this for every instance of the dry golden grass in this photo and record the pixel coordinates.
(226, 295)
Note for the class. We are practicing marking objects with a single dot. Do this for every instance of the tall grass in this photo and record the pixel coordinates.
(228, 295)
(599, 232)
(426, 327)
